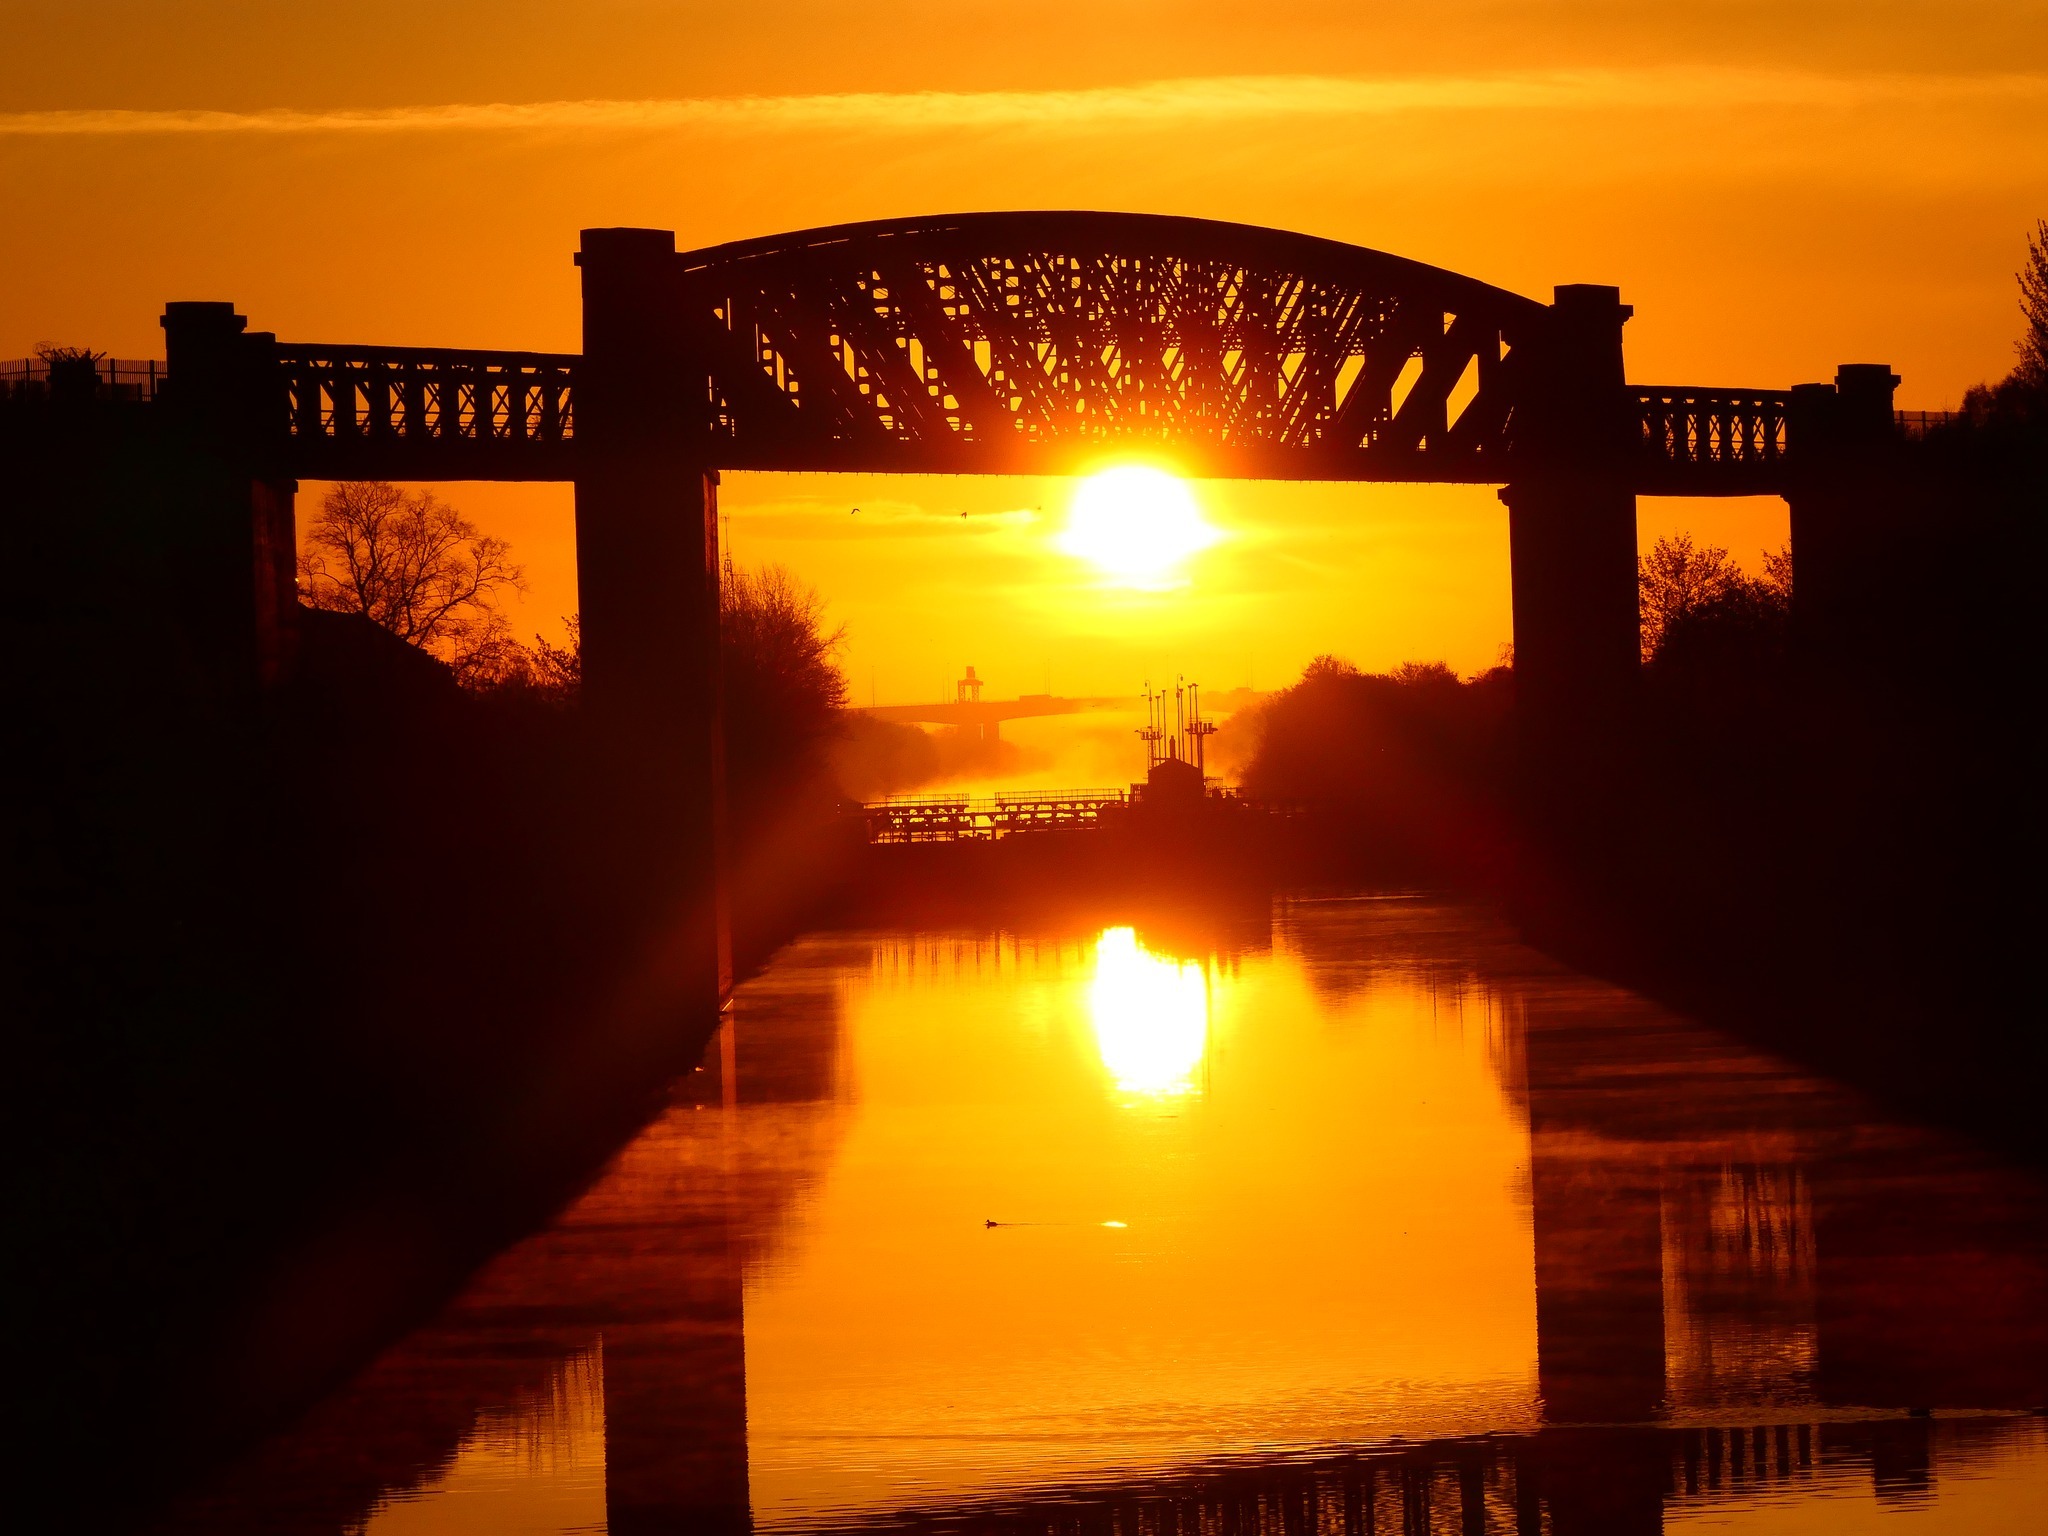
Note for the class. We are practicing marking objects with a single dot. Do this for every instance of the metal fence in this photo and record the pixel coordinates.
(118, 378)
(1917, 424)
(956, 818)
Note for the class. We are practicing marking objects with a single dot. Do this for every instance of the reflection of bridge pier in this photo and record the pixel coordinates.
(675, 1411)
(1712, 1227)
(1599, 1284)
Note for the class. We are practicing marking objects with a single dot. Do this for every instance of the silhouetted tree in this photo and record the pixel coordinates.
(873, 758)
(417, 567)
(558, 669)
(1687, 589)
(783, 688)
(2017, 406)
(1425, 674)
(2033, 281)
(1675, 578)
(1406, 770)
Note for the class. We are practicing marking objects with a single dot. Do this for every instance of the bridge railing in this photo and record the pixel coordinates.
(384, 410)
(120, 378)
(956, 818)
(1917, 424)
(1712, 426)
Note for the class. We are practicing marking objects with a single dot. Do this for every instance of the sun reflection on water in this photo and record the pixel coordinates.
(1151, 1016)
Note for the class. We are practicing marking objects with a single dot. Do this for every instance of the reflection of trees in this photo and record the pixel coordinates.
(1713, 1226)
(1740, 1322)
(1349, 944)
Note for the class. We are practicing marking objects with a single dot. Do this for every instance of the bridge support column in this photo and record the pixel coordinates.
(647, 583)
(1844, 501)
(237, 502)
(1572, 544)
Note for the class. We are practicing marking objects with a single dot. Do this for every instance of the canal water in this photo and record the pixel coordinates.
(1355, 1215)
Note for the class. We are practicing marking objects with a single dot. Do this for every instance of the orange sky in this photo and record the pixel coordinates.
(1776, 187)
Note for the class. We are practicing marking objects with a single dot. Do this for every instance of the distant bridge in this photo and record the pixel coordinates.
(985, 716)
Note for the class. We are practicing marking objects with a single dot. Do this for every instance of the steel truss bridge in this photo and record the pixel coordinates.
(1030, 343)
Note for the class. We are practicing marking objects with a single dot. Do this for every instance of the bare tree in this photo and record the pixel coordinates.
(557, 670)
(2033, 280)
(776, 647)
(417, 567)
(1778, 572)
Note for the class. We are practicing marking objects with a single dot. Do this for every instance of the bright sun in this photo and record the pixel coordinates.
(1136, 524)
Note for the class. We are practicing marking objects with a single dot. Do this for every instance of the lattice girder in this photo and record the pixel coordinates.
(1036, 342)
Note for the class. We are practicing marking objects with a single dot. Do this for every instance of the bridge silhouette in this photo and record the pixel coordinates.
(986, 716)
(1020, 343)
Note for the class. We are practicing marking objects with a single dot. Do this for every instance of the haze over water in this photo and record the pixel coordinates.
(1345, 1216)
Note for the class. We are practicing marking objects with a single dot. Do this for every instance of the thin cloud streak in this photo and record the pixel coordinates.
(1167, 101)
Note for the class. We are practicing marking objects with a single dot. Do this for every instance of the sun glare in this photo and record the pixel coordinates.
(1136, 524)
(1151, 1016)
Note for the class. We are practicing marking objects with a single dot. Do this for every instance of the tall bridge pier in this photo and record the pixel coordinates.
(234, 492)
(647, 587)
(1843, 493)
(1571, 503)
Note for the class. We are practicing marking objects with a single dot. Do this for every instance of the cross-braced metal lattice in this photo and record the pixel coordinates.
(1034, 342)
(416, 412)
(1696, 441)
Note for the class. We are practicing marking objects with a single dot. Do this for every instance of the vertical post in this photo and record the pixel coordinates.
(1572, 520)
(1572, 555)
(647, 579)
(222, 393)
(1840, 451)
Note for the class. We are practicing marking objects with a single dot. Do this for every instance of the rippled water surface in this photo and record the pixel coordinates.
(1358, 1218)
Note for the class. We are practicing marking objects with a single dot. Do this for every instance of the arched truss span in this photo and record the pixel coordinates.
(1036, 342)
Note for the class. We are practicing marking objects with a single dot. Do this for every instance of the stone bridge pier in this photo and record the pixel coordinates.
(1571, 503)
(1846, 493)
(647, 585)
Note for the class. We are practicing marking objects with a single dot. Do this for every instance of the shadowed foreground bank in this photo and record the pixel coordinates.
(324, 977)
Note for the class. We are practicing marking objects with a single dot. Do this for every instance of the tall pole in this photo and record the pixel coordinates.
(1572, 552)
(1845, 505)
(647, 584)
(237, 501)
(1572, 519)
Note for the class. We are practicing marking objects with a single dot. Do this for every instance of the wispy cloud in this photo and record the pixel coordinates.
(1209, 99)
